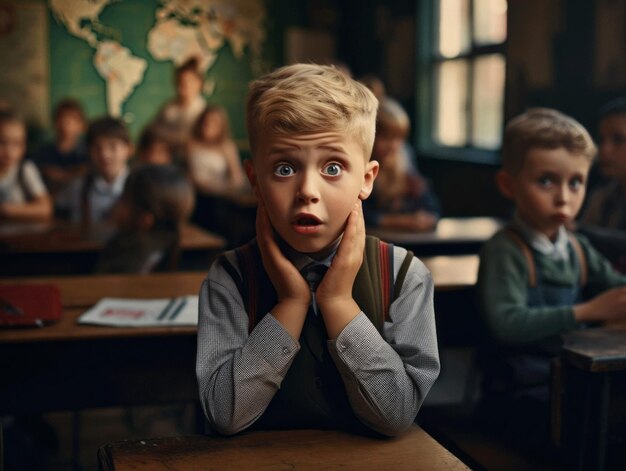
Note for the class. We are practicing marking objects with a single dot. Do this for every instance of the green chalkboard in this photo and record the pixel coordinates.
(128, 22)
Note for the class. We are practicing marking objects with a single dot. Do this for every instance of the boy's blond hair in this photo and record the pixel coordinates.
(310, 98)
(543, 128)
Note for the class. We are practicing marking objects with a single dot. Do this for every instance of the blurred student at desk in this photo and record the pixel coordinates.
(57, 247)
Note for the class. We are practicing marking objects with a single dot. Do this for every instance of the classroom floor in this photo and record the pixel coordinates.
(100, 426)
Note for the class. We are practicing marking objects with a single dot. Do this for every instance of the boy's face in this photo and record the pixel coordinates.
(612, 153)
(549, 189)
(386, 145)
(109, 156)
(12, 144)
(309, 184)
(157, 153)
(188, 85)
(69, 124)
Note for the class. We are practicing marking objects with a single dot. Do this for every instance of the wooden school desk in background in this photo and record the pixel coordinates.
(289, 449)
(593, 410)
(85, 366)
(453, 236)
(59, 248)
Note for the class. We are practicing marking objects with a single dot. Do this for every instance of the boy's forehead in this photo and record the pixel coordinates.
(13, 128)
(269, 142)
(109, 141)
(540, 157)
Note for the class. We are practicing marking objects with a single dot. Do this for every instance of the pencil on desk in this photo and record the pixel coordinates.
(176, 311)
(165, 310)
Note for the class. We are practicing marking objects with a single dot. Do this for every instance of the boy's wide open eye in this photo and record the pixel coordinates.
(283, 170)
(576, 183)
(332, 170)
(544, 182)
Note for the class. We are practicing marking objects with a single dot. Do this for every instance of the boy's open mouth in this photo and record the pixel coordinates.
(306, 221)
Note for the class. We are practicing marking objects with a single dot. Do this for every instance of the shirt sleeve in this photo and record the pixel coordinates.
(601, 274)
(388, 376)
(33, 180)
(503, 298)
(238, 374)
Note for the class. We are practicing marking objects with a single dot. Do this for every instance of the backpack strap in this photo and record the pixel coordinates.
(385, 264)
(528, 255)
(582, 259)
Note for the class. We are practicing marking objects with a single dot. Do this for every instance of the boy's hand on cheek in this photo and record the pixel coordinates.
(291, 288)
(334, 294)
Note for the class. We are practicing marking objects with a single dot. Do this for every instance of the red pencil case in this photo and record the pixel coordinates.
(29, 305)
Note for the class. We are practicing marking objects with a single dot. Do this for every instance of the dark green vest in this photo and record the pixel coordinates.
(312, 394)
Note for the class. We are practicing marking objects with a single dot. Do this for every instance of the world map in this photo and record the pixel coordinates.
(182, 29)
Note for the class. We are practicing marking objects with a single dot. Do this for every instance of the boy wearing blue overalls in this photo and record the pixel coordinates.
(536, 279)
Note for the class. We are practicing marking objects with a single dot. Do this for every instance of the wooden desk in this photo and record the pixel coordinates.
(273, 450)
(58, 248)
(86, 366)
(593, 432)
(452, 236)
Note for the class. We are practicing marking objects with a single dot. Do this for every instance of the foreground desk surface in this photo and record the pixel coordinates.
(274, 450)
(452, 236)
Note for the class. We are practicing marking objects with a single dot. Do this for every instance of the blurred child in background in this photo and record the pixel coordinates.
(66, 158)
(156, 200)
(603, 219)
(402, 198)
(23, 194)
(178, 115)
(215, 169)
(90, 198)
(213, 159)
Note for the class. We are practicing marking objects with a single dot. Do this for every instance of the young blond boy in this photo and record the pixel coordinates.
(537, 280)
(23, 195)
(313, 358)
(90, 198)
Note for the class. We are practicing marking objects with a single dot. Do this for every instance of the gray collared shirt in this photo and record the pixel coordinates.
(386, 376)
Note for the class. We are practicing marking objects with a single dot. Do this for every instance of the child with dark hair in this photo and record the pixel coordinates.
(90, 198)
(179, 114)
(603, 219)
(153, 147)
(402, 198)
(23, 195)
(156, 200)
(66, 158)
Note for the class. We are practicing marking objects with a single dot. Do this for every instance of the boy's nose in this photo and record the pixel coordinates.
(562, 195)
(307, 191)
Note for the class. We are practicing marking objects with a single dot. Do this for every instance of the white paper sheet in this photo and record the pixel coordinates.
(143, 312)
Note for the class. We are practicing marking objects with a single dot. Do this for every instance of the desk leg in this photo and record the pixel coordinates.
(585, 419)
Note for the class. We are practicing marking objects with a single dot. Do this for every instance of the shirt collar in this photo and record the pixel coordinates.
(557, 250)
(115, 187)
(302, 260)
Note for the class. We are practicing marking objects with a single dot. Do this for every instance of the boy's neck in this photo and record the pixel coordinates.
(293, 255)
(67, 144)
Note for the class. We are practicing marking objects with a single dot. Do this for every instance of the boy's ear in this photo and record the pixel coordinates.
(146, 220)
(371, 170)
(249, 168)
(504, 180)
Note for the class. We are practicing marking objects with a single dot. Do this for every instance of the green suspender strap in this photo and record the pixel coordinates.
(373, 289)
(530, 261)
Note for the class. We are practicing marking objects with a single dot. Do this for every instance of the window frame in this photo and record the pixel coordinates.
(427, 61)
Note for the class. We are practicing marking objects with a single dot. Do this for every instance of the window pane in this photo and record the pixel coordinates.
(454, 35)
(487, 103)
(489, 21)
(451, 103)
